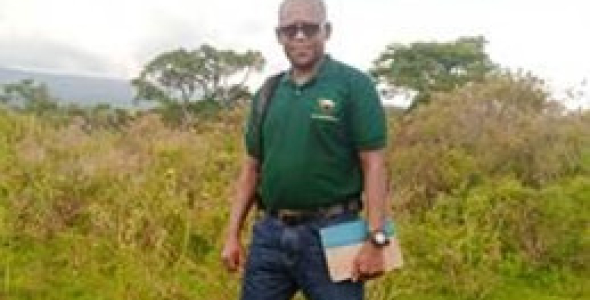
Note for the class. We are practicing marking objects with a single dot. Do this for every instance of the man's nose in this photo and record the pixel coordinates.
(299, 35)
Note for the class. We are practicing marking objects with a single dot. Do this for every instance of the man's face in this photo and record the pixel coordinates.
(303, 33)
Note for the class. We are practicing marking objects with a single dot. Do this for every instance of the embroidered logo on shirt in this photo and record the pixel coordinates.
(327, 106)
(327, 109)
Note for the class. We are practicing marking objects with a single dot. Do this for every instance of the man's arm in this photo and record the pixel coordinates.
(375, 187)
(233, 254)
(244, 196)
(369, 263)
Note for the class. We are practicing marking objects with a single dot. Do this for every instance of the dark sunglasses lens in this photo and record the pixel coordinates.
(289, 31)
(309, 30)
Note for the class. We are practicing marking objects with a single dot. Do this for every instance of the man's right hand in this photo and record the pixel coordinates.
(233, 254)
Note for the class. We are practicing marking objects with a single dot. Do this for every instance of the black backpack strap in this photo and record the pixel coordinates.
(266, 94)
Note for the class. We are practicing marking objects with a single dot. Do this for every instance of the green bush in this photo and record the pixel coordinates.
(490, 189)
(507, 126)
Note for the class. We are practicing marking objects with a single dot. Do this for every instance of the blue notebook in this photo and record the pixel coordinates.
(342, 243)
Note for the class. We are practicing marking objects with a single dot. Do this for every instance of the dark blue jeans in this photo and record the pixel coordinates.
(285, 259)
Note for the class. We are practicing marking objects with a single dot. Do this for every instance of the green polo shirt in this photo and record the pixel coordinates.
(312, 136)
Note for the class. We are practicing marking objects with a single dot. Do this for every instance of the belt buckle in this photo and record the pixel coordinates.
(288, 217)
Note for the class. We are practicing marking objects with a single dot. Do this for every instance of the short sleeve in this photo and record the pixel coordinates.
(250, 140)
(369, 129)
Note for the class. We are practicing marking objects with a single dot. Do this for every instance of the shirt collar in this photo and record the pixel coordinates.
(320, 71)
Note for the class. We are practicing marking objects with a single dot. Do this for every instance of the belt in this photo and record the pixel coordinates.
(293, 217)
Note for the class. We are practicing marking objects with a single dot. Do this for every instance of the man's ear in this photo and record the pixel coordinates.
(279, 36)
(328, 29)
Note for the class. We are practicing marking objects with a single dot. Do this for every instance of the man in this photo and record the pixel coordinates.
(321, 146)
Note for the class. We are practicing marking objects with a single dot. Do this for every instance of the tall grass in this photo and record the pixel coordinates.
(490, 193)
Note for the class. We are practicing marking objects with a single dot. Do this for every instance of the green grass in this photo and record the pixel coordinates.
(139, 214)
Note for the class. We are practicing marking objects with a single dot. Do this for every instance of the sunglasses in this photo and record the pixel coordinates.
(309, 30)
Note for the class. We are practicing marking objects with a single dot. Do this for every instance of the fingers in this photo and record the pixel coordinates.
(368, 276)
(356, 274)
(240, 261)
(232, 264)
(363, 271)
(228, 262)
(232, 260)
(232, 255)
(373, 275)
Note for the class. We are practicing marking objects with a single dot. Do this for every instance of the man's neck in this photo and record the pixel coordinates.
(303, 75)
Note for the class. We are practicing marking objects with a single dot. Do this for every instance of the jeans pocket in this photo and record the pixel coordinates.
(264, 232)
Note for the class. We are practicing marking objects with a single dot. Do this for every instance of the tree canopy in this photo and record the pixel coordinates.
(182, 76)
(427, 67)
(27, 95)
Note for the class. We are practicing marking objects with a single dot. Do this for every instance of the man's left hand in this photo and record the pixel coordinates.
(369, 263)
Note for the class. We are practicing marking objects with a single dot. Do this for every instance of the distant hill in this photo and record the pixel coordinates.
(89, 91)
(82, 90)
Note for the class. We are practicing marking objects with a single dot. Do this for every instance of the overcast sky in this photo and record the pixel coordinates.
(116, 37)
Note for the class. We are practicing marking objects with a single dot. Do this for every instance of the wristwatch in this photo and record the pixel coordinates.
(379, 238)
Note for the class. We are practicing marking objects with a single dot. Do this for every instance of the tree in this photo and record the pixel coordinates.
(182, 77)
(427, 67)
(28, 95)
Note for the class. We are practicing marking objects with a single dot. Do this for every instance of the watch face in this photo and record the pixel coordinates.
(380, 238)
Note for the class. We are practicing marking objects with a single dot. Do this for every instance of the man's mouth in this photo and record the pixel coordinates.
(301, 52)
